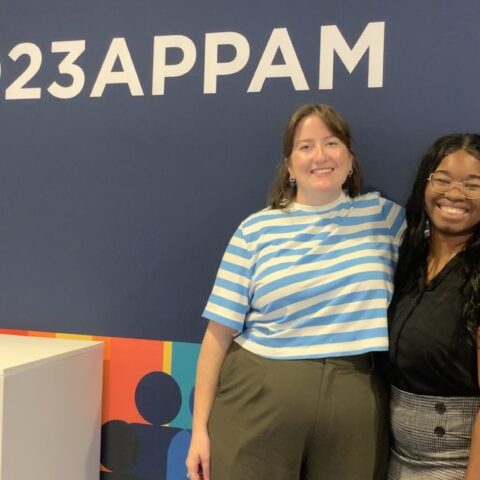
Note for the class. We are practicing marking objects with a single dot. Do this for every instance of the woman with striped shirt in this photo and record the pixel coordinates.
(286, 386)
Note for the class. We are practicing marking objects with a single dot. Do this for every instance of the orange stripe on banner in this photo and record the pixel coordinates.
(42, 334)
(106, 346)
(129, 360)
(7, 331)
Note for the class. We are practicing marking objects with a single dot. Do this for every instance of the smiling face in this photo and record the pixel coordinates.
(320, 162)
(451, 213)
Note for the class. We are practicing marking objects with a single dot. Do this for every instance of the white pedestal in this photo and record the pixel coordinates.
(50, 408)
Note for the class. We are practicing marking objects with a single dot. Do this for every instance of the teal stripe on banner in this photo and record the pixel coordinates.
(184, 365)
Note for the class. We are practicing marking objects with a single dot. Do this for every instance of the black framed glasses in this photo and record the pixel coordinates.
(442, 183)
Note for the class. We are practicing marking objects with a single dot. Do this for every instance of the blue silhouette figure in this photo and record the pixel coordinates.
(134, 451)
(178, 450)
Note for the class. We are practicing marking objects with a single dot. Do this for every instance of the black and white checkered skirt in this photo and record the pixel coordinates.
(431, 436)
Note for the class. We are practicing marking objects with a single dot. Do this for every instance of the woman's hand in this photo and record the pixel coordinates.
(198, 458)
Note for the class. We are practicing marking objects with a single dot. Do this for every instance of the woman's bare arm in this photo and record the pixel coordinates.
(214, 347)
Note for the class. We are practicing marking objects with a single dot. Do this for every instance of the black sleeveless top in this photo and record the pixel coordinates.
(431, 351)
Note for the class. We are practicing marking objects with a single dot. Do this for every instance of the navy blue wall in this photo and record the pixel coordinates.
(115, 208)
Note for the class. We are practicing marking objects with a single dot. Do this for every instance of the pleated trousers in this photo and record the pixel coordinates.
(320, 419)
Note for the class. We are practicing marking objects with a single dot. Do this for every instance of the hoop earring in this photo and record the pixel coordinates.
(292, 182)
(350, 172)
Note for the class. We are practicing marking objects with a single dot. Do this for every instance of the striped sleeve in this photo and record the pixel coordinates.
(394, 216)
(230, 298)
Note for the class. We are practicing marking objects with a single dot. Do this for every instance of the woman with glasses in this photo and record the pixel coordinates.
(286, 386)
(434, 318)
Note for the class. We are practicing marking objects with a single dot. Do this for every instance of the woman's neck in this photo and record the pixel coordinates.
(442, 249)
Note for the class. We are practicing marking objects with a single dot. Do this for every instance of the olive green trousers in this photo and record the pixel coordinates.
(320, 419)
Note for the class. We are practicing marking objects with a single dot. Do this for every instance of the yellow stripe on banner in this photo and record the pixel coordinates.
(73, 336)
(167, 357)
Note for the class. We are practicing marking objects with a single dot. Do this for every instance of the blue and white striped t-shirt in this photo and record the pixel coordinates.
(310, 282)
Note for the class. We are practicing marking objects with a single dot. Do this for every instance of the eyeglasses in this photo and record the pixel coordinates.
(442, 184)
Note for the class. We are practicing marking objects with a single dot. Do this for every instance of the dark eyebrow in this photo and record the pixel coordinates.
(447, 173)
